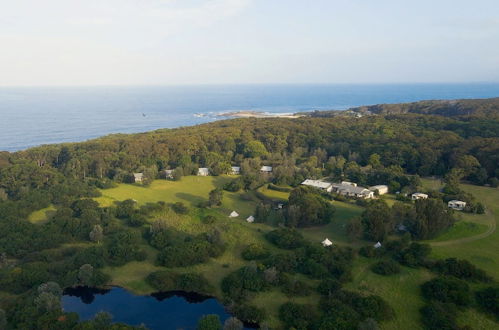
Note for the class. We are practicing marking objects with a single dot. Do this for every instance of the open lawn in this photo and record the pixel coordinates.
(336, 230)
(42, 215)
(401, 291)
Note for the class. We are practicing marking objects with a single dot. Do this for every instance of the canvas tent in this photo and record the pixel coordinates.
(326, 242)
(233, 214)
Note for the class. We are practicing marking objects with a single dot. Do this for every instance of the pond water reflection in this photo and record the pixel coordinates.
(162, 310)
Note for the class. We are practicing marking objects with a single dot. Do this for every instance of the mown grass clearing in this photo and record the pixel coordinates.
(461, 229)
(401, 291)
(42, 215)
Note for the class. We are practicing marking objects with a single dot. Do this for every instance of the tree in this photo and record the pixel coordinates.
(307, 208)
(255, 149)
(47, 302)
(377, 220)
(209, 322)
(447, 289)
(177, 174)
(97, 234)
(85, 274)
(215, 197)
(375, 161)
(233, 323)
(102, 320)
(432, 217)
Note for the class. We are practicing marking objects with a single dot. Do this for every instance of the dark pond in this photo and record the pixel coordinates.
(163, 310)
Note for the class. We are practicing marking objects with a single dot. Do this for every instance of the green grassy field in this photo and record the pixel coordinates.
(400, 291)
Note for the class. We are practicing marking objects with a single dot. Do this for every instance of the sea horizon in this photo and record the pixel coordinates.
(38, 115)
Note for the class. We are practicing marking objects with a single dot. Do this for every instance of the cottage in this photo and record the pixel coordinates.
(377, 245)
(350, 189)
(203, 171)
(235, 170)
(266, 169)
(381, 188)
(138, 177)
(168, 174)
(456, 205)
(418, 195)
(250, 219)
(326, 242)
(322, 185)
(233, 214)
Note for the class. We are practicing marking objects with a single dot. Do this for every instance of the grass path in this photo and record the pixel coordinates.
(490, 231)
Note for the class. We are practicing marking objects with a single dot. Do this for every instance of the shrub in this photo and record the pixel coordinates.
(250, 314)
(386, 267)
(169, 281)
(296, 316)
(208, 220)
(438, 315)
(488, 300)
(209, 322)
(328, 286)
(180, 208)
(447, 290)
(255, 251)
(462, 269)
(286, 238)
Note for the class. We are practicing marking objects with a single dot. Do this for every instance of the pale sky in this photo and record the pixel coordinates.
(154, 42)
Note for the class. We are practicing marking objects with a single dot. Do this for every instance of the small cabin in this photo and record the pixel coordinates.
(168, 174)
(203, 171)
(138, 177)
(381, 188)
(235, 170)
(456, 205)
(266, 169)
(418, 195)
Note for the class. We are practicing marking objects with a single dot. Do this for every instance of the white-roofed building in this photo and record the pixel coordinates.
(203, 171)
(168, 174)
(351, 190)
(266, 169)
(418, 195)
(233, 214)
(381, 188)
(456, 205)
(319, 184)
(234, 170)
(138, 177)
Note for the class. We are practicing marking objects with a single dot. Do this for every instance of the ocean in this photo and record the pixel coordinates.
(31, 116)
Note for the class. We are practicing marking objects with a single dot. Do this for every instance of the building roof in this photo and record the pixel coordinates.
(378, 187)
(455, 201)
(377, 245)
(266, 169)
(236, 168)
(250, 218)
(138, 175)
(317, 184)
(327, 242)
(418, 194)
(233, 214)
(203, 170)
(350, 189)
(168, 171)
